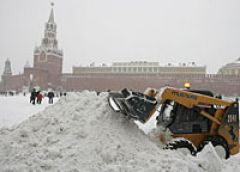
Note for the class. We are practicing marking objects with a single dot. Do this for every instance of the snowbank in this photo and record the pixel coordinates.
(81, 133)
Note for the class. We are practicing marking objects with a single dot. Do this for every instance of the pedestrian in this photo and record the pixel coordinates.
(33, 96)
(50, 97)
(39, 97)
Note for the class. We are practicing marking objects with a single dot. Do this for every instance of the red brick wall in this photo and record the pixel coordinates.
(40, 77)
(225, 85)
(14, 82)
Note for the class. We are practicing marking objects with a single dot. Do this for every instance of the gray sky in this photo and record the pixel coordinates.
(105, 31)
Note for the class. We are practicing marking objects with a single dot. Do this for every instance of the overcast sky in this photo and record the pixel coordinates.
(105, 31)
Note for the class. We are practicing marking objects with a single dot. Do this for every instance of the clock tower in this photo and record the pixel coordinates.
(48, 56)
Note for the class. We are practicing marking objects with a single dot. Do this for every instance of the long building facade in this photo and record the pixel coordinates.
(142, 67)
(47, 73)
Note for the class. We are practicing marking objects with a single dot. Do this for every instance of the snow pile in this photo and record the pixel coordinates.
(81, 133)
(208, 154)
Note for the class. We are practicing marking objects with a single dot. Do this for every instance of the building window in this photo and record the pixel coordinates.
(236, 72)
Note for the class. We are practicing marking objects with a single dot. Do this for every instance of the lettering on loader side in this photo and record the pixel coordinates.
(185, 95)
(232, 118)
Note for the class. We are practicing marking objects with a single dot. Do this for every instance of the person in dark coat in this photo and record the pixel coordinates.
(33, 96)
(50, 97)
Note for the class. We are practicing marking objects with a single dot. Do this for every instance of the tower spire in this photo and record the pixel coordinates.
(49, 41)
(51, 17)
(7, 69)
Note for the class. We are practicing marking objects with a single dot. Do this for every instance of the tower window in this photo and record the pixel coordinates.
(42, 57)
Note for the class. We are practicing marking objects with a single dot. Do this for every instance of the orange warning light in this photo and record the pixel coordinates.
(187, 84)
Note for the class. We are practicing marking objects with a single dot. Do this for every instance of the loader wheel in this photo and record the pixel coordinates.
(220, 145)
(184, 145)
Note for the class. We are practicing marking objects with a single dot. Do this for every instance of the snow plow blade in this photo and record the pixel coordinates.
(132, 104)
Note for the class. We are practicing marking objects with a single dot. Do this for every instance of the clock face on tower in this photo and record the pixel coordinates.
(42, 57)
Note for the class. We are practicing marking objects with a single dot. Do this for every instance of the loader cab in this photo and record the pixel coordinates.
(188, 121)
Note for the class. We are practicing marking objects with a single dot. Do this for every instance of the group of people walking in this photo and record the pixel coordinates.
(37, 96)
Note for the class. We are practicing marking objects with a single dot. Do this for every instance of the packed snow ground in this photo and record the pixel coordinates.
(81, 133)
(15, 109)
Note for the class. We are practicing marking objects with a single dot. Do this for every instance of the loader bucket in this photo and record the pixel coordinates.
(132, 104)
